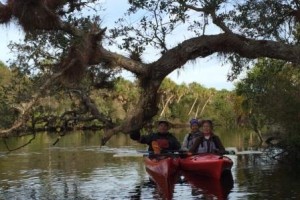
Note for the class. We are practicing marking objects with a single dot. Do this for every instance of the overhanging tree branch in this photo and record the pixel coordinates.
(203, 46)
(118, 60)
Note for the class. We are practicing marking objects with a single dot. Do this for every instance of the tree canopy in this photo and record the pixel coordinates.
(66, 45)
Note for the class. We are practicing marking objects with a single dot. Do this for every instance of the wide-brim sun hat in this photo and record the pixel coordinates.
(163, 121)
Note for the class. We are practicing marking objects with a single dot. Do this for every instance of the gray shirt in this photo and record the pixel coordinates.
(189, 140)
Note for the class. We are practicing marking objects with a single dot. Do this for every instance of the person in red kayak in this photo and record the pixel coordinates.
(191, 137)
(160, 142)
(208, 142)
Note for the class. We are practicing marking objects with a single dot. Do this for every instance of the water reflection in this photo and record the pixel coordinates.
(209, 187)
(77, 168)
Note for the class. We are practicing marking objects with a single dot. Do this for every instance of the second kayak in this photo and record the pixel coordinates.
(207, 164)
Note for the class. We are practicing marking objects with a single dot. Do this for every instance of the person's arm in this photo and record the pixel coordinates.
(135, 135)
(177, 145)
(174, 144)
(144, 139)
(195, 146)
(185, 143)
(219, 144)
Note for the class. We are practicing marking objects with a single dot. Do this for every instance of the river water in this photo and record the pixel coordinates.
(78, 168)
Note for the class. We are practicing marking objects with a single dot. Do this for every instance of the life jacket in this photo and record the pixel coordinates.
(161, 142)
(159, 145)
(191, 139)
(208, 145)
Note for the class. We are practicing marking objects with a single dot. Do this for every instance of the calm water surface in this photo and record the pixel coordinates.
(77, 168)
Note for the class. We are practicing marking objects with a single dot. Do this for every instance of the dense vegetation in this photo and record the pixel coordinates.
(178, 103)
(271, 93)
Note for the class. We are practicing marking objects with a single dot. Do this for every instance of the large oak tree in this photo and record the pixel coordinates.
(246, 30)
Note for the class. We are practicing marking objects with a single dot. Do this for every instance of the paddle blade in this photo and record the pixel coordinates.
(122, 155)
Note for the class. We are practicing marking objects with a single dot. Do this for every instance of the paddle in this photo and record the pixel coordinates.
(141, 153)
(233, 150)
(180, 153)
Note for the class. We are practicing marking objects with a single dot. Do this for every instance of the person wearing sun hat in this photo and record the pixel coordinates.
(191, 137)
(160, 141)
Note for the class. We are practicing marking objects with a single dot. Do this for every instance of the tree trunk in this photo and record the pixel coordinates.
(143, 113)
(193, 105)
(205, 104)
(166, 105)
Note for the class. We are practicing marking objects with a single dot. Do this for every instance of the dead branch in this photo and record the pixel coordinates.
(23, 145)
(92, 108)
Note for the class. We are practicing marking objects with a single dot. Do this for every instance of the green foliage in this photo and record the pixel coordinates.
(115, 102)
(8, 114)
(272, 88)
(196, 101)
(223, 102)
(4, 74)
(265, 18)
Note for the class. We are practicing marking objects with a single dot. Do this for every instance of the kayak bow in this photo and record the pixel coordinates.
(164, 172)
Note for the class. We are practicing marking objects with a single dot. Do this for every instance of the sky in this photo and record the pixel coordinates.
(209, 72)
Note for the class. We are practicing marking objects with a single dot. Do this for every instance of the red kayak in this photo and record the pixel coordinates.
(210, 165)
(164, 172)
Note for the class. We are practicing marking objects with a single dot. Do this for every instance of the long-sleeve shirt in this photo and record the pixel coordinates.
(166, 141)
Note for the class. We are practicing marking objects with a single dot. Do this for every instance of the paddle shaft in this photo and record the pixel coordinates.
(178, 153)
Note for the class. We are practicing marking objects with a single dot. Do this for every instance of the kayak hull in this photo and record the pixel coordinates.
(210, 165)
(210, 186)
(164, 172)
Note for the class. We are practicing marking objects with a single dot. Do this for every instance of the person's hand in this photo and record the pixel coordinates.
(186, 154)
(216, 151)
(229, 152)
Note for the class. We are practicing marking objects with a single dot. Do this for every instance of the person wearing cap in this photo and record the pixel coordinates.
(208, 142)
(190, 138)
(159, 142)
